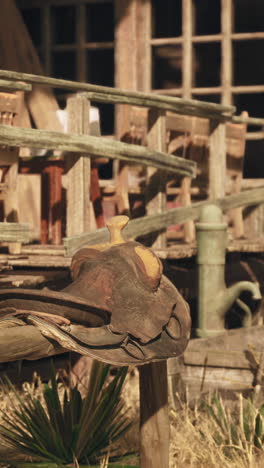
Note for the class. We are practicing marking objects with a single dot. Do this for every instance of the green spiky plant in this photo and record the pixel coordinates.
(75, 430)
(243, 432)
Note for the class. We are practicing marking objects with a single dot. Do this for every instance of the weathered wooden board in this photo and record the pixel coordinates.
(94, 147)
(229, 361)
(14, 232)
(154, 417)
(78, 168)
(156, 222)
(26, 342)
(137, 98)
(15, 85)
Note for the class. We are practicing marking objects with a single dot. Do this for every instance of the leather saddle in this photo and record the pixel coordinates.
(119, 308)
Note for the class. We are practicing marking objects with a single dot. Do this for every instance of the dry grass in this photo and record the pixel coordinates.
(192, 430)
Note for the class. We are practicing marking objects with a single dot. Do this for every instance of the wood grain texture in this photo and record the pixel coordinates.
(217, 160)
(154, 418)
(15, 85)
(156, 222)
(115, 96)
(155, 192)
(78, 168)
(26, 342)
(95, 146)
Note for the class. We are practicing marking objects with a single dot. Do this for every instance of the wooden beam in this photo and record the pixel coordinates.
(144, 52)
(14, 232)
(137, 98)
(79, 170)
(187, 48)
(227, 53)
(154, 415)
(217, 160)
(157, 222)
(166, 103)
(26, 342)
(155, 192)
(94, 147)
(125, 77)
(15, 85)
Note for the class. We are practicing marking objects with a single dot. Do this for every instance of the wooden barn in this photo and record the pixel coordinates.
(160, 55)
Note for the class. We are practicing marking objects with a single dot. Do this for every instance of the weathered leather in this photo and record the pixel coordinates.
(117, 313)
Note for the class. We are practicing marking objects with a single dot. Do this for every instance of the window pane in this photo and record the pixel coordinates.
(253, 163)
(248, 15)
(248, 62)
(32, 19)
(100, 22)
(207, 17)
(100, 70)
(100, 66)
(252, 103)
(216, 98)
(167, 67)
(63, 24)
(167, 18)
(207, 62)
(64, 65)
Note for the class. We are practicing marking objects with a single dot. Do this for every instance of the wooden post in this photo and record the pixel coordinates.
(78, 190)
(156, 180)
(187, 22)
(227, 59)
(154, 417)
(125, 77)
(217, 160)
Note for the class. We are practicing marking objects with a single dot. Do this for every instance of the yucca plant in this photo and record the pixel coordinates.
(74, 430)
(243, 431)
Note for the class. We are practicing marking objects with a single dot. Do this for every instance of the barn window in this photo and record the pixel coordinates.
(75, 41)
(202, 49)
(213, 54)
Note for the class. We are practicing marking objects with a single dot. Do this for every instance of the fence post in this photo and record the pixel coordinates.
(78, 170)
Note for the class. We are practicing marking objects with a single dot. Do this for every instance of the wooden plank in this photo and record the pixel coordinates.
(155, 191)
(31, 279)
(125, 77)
(94, 147)
(248, 339)
(29, 202)
(14, 232)
(227, 50)
(154, 416)
(201, 379)
(248, 120)
(137, 98)
(187, 52)
(234, 172)
(36, 261)
(219, 358)
(125, 58)
(154, 420)
(78, 170)
(144, 50)
(156, 222)
(25, 342)
(183, 106)
(15, 85)
(228, 361)
(217, 160)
